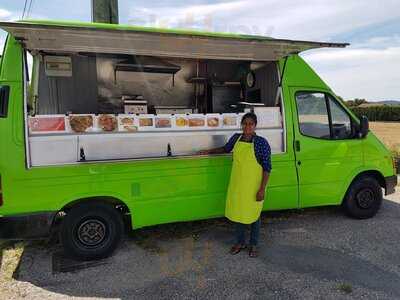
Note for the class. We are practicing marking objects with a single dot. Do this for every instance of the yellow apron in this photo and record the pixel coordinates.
(246, 177)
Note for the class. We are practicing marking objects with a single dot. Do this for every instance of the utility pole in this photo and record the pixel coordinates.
(105, 11)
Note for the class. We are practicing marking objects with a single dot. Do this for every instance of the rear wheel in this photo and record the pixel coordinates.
(91, 231)
(363, 198)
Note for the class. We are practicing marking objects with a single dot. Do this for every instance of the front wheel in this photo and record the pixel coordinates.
(363, 198)
(91, 231)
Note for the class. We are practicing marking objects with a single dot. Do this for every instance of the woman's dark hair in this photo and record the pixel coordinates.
(249, 115)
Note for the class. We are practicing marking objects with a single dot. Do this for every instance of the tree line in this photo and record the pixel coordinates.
(374, 112)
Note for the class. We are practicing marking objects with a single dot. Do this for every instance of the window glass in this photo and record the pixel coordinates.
(341, 125)
(313, 114)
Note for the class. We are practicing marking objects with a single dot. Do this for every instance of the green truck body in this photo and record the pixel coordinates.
(310, 172)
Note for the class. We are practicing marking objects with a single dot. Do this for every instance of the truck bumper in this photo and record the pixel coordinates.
(35, 225)
(391, 182)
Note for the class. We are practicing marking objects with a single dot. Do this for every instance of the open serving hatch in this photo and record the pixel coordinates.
(77, 112)
(109, 38)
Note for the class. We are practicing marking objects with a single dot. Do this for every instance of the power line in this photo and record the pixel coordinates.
(28, 14)
(23, 13)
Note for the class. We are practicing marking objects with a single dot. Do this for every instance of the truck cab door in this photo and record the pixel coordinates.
(326, 146)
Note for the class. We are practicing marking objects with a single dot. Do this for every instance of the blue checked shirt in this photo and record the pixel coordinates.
(262, 150)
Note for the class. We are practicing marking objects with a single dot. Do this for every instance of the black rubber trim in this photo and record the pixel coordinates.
(391, 182)
(35, 225)
(4, 98)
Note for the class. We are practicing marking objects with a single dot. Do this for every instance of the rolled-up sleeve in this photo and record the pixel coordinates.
(263, 154)
(231, 143)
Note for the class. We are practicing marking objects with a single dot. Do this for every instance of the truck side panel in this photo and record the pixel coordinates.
(155, 191)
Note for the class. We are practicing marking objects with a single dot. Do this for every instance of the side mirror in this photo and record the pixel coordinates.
(364, 127)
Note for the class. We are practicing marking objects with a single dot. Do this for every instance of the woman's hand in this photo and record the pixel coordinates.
(260, 195)
(203, 152)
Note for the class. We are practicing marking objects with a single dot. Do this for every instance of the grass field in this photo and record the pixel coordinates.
(389, 133)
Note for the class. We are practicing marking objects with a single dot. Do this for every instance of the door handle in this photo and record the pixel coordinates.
(82, 154)
(297, 145)
(169, 150)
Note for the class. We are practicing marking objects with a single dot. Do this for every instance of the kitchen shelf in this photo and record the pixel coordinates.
(146, 65)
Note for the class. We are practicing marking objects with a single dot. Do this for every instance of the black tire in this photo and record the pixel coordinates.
(363, 198)
(91, 231)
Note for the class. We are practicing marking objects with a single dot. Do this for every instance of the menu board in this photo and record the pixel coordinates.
(107, 123)
(83, 123)
(196, 120)
(213, 121)
(163, 121)
(46, 124)
(230, 120)
(146, 122)
(80, 123)
(181, 121)
(127, 123)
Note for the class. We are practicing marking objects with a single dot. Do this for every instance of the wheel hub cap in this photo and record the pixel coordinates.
(365, 198)
(91, 232)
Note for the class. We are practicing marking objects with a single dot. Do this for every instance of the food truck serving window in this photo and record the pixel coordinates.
(93, 106)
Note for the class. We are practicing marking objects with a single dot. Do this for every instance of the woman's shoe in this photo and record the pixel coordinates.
(237, 248)
(253, 252)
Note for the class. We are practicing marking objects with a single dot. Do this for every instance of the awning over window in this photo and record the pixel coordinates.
(52, 36)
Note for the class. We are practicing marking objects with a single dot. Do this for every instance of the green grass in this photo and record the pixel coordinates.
(345, 287)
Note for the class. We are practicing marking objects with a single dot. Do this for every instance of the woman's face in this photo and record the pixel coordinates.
(248, 126)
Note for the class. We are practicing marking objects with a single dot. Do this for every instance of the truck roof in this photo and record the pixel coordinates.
(69, 36)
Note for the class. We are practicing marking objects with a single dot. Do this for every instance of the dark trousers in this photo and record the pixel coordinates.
(254, 232)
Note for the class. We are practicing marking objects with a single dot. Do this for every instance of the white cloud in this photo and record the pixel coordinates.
(311, 19)
(4, 14)
(359, 73)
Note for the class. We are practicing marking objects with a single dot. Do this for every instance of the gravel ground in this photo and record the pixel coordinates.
(312, 254)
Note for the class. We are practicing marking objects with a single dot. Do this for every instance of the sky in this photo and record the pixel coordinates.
(368, 68)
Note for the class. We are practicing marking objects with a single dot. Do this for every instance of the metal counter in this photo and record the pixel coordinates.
(71, 148)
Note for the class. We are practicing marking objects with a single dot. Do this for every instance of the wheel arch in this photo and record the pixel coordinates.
(112, 200)
(105, 199)
(367, 173)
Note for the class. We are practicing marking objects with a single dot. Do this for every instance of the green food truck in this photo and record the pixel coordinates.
(103, 131)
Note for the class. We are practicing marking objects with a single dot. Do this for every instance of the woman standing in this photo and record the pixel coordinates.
(249, 177)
